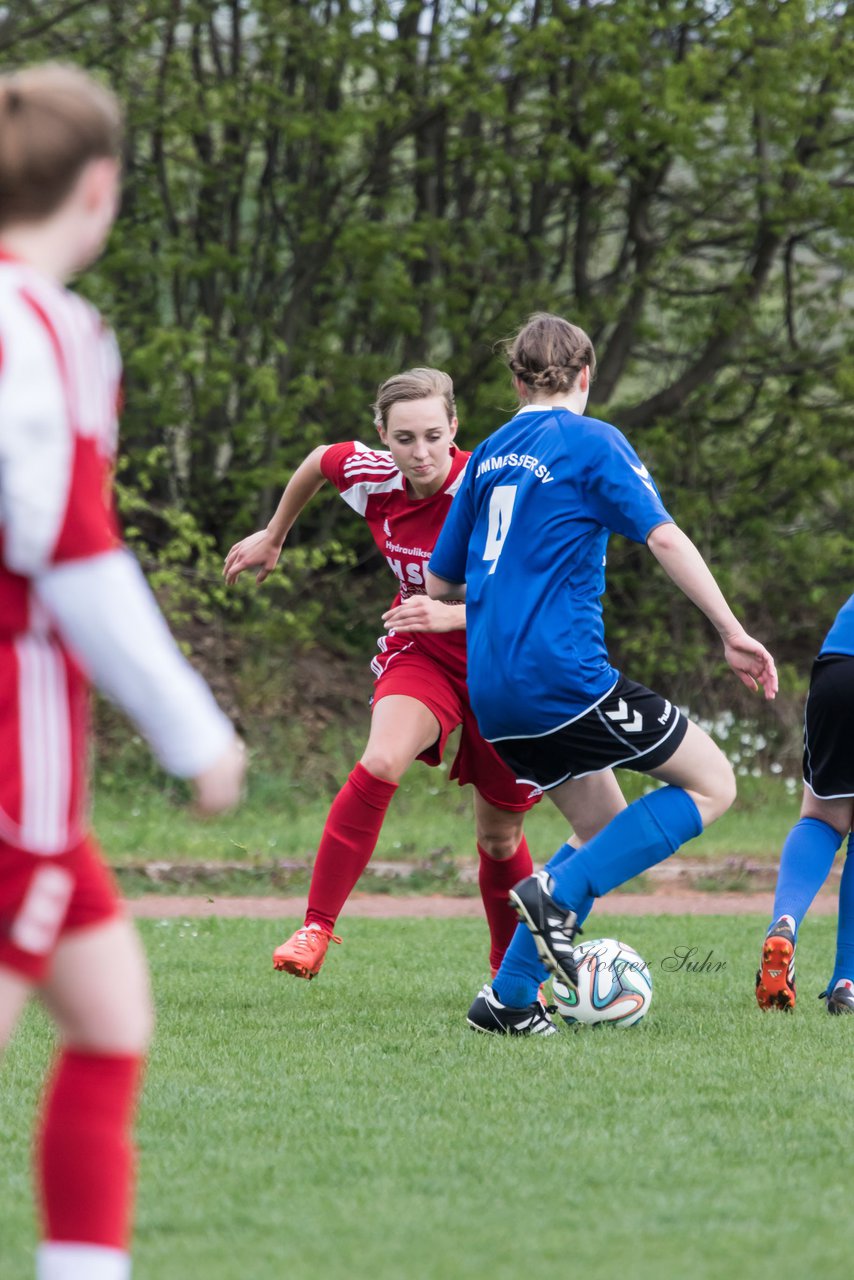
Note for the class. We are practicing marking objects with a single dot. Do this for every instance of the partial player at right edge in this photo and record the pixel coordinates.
(827, 816)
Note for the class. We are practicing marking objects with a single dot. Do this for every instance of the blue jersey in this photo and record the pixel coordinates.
(840, 637)
(527, 534)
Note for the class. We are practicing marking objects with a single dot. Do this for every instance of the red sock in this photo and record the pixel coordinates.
(84, 1153)
(349, 838)
(496, 878)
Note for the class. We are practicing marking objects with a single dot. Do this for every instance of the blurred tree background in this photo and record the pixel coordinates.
(319, 194)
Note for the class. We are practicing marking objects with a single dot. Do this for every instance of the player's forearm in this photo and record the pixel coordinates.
(299, 491)
(439, 589)
(108, 617)
(682, 562)
(456, 619)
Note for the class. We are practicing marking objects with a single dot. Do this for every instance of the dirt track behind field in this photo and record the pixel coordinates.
(386, 907)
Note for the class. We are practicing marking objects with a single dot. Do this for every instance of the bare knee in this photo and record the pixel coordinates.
(401, 728)
(499, 842)
(99, 993)
(838, 813)
(127, 1032)
(700, 767)
(717, 791)
(137, 1027)
(384, 763)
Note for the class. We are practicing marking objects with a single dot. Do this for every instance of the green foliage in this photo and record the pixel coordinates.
(184, 567)
(319, 194)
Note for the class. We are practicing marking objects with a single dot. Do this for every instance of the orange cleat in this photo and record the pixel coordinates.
(775, 981)
(304, 952)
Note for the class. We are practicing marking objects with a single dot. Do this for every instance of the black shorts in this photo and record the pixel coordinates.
(631, 727)
(829, 728)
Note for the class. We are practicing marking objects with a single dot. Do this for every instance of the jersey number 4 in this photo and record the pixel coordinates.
(500, 514)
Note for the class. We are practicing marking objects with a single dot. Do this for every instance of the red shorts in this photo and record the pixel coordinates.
(412, 674)
(44, 897)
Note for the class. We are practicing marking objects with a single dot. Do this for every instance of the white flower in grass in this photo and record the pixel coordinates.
(723, 723)
(776, 767)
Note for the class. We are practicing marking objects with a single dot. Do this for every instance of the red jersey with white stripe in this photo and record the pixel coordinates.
(405, 530)
(59, 385)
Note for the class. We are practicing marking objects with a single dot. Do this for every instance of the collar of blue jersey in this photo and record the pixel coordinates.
(540, 408)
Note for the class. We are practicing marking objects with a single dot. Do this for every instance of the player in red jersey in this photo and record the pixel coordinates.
(74, 607)
(404, 492)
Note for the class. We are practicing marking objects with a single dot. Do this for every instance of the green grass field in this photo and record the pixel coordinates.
(139, 817)
(355, 1128)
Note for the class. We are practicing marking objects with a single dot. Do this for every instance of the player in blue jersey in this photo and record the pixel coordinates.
(827, 817)
(525, 543)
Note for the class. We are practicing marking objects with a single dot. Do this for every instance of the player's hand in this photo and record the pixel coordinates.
(420, 613)
(751, 662)
(220, 787)
(259, 551)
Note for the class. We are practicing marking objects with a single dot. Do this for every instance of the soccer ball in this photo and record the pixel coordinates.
(614, 986)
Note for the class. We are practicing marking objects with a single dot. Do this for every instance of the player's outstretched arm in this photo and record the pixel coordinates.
(681, 560)
(105, 612)
(420, 613)
(220, 786)
(261, 550)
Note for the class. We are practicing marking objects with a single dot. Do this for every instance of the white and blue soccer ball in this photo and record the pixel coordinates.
(614, 986)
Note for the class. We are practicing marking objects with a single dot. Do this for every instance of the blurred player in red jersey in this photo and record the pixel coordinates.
(74, 607)
(404, 492)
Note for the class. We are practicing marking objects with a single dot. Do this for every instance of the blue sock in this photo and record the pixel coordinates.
(636, 839)
(844, 967)
(564, 853)
(561, 855)
(521, 971)
(805, 863)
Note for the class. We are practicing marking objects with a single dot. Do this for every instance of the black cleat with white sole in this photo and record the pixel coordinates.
(490, 1015)
(841, 998)
(554, 928)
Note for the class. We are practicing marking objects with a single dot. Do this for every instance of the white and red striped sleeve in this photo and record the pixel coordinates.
(359, 473)
(59, 381)
(55, 501)
(108, 617)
